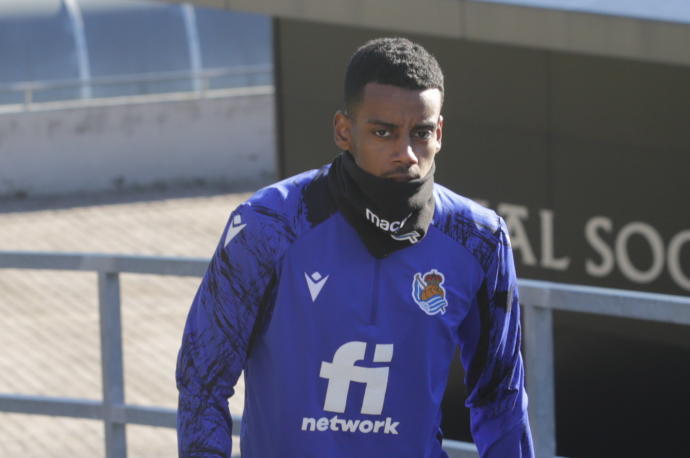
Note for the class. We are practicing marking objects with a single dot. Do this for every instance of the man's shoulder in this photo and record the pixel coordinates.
(452, 208)
(475, 227)
(286, 195)
(292, 204)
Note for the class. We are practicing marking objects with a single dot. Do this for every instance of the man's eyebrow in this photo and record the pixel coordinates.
(426, 125)
(422, 125)
(382, 123)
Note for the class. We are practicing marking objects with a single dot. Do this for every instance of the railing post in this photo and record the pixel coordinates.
(28, 98)
(111, 364)
(205, 84)
(192, 32)
(538, 337)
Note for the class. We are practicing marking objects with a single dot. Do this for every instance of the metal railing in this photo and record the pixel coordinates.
(538, 299)
(200, 81)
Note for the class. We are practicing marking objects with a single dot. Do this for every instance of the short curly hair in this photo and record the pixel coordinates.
(392, 60)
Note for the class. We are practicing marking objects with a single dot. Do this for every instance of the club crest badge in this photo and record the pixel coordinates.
(428, 292)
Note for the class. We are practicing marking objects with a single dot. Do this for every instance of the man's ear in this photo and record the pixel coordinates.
(439, 133)
(342, 131)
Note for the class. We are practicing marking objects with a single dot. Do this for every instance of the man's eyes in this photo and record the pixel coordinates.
(424, 134)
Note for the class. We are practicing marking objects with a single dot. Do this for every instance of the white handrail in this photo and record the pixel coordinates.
(200, 79)
(538, 298)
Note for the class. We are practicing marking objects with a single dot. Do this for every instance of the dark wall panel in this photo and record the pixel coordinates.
(620, 101)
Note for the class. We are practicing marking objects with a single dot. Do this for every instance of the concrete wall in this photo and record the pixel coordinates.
(648, 31)
(227, 139)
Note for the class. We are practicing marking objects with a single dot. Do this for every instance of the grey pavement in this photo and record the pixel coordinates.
(49, 326)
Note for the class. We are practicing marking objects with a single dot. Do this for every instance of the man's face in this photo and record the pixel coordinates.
(394, 132)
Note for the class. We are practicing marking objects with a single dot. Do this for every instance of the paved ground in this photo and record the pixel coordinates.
(49, 326)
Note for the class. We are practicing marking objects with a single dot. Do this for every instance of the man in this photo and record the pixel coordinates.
(343, 292)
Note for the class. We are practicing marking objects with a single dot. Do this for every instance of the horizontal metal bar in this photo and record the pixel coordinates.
(93, 410)
(164, 417)
(53, 406)
(120, 100)
(458, 449)
(151, 416)
(136, 78)
(145, 415)
(557, 296)
(155, 265)
(606, 301)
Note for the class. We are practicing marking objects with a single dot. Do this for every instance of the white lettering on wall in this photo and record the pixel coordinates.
(599, 234)
(591, 234)
(675, 247)
(656, 244)
(513, 214)
(547, 246)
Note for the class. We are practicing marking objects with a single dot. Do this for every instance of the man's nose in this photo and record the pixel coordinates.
(406, 154)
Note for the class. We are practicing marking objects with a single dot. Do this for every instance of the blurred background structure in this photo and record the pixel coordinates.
(112, 95)
(569, 117)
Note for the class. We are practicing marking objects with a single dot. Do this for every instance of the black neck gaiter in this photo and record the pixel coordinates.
(387, 214)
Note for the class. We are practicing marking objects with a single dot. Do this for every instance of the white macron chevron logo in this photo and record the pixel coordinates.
(235, 227)
(315, 282)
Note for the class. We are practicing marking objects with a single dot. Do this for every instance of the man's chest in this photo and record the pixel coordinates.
(329, 284)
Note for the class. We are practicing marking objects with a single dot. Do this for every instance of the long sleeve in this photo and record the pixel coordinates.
(490, 337)
(217, 335)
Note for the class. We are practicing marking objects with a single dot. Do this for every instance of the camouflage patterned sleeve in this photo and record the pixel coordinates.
(490, 337)
(217, 334)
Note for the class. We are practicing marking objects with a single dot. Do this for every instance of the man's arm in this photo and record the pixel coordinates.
(217, 334)
(490, 337)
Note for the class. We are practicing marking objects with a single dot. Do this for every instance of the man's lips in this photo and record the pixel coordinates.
(399, 175)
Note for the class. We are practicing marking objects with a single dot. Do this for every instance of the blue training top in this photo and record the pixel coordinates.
(347, 355)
